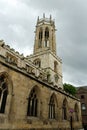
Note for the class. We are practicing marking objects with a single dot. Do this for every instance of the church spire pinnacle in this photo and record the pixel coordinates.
(43, 15)
(50, 17)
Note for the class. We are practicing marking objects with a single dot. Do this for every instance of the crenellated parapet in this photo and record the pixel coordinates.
(44, 20)
(8, 49)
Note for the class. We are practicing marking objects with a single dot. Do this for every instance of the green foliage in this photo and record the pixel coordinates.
(69, 88)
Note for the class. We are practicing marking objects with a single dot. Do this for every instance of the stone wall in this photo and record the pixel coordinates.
(17, 118)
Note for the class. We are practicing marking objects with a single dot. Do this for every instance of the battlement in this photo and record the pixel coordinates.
(45, 20)
(11, 50)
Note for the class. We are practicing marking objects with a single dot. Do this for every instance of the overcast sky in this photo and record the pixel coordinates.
(17, 26)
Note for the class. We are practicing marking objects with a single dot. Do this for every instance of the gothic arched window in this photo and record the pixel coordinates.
(40, 34)
(40, 37)
(37, 62)
(55, 66)
(3, 94)
(52, 107)
(46, 33)
(76, 112)
(64, 110)
(32, 103)
(46, 44)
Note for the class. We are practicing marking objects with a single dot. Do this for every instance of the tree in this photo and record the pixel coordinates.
(69, 88)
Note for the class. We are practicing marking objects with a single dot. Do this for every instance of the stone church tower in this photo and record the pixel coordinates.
(44, 55)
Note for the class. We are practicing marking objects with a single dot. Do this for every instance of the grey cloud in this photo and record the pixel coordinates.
(17, 25)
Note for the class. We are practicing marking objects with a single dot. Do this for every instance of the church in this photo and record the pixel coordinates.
(31, 88)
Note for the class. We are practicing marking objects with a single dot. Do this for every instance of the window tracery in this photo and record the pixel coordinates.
(32, 103)
(40, 37)
(3, 94)
(64, 110)
(52, 108)
(46, 43)
(37, 62)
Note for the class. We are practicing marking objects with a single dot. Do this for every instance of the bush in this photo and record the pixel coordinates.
(69, 88)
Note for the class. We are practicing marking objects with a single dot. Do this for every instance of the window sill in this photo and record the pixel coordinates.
(32, 118)
(2, 115)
